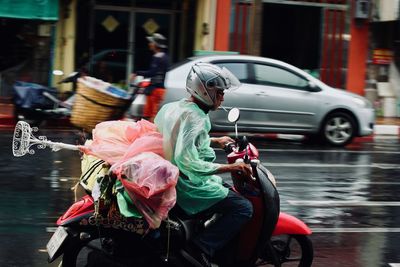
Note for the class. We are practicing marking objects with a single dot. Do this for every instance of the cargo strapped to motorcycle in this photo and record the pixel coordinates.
(107, 212)
(87, 178)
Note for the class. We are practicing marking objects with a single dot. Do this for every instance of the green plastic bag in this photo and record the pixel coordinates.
(125, 204)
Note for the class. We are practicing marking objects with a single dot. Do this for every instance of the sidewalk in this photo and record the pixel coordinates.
(8, 120)
(6, 113)
(387, 126)
(384, 126)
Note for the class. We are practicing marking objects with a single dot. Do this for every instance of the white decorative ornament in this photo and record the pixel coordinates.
(23, 140)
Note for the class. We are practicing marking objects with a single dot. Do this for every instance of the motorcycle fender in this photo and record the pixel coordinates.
(288, 224)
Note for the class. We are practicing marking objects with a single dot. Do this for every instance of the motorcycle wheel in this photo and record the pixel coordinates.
(75, 254)
(84, 254)
(290, 251)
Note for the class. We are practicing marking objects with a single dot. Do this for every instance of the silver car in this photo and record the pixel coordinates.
(276, 97)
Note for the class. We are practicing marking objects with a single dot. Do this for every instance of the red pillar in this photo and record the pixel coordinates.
(222, 24)
(357, 57)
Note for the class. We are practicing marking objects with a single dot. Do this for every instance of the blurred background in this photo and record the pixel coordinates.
(349, 44)
(347, 195)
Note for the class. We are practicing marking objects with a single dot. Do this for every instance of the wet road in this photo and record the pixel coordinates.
(34, 191)
(348, 197)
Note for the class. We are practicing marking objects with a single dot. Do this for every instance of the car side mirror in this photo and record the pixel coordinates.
(312, 87)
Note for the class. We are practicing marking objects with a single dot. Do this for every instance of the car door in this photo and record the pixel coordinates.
(284, 99)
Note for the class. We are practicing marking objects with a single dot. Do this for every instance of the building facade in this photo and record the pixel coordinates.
(27, 41)
(348, 44)
(383, 76)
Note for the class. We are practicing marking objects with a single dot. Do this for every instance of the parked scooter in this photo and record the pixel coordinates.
(102, 237)
(35, 103)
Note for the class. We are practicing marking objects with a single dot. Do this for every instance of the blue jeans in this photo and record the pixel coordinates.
(236, 211)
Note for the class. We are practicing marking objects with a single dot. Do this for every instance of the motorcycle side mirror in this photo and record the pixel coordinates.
(233, 116)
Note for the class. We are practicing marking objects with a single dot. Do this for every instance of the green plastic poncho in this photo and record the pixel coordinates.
(186, 144)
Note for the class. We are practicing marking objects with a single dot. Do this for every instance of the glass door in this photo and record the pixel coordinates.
(119, 45)
(146, 24)
(110, 46)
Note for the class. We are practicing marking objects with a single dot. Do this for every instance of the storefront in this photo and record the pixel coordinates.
(383, 76)
(313, 35)
(326, 38)
(111, 35)
(27, 42)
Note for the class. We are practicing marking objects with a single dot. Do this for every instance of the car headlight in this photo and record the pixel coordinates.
(362, 102)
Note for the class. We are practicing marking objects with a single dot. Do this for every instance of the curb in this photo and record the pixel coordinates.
(7, 122)
(387, 130)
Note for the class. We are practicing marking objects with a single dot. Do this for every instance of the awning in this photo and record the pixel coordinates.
(29, 9)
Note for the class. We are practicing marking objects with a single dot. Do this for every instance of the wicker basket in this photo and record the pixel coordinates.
(93, 106)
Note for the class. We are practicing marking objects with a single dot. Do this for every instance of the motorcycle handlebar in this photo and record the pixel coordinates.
(241, 144)
(229, 147)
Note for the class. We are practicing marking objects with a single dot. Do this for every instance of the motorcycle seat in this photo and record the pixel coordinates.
(181, 214)
(192, 224)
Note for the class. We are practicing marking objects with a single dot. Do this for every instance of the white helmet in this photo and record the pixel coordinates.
(158, 39)
(205, 79)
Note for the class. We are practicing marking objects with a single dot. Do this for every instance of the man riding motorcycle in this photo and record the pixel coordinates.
(185, 127)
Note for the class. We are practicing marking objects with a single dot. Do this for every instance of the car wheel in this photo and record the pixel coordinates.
(338, 129)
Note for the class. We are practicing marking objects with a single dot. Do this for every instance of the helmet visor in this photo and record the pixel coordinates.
(231, 80)
(216, 83)
(224, 81)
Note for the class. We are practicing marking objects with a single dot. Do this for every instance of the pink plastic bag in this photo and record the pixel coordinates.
(150, 182)
(135, 151)
(116, 140)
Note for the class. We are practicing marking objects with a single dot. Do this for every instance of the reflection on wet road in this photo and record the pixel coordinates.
(349, 197)
(34, 191)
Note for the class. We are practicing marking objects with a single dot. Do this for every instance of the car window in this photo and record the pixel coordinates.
(275, 76)
(239, 69)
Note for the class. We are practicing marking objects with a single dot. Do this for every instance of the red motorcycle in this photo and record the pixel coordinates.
(102, 237)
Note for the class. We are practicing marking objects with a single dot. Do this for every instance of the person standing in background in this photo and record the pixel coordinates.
(158, 68)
